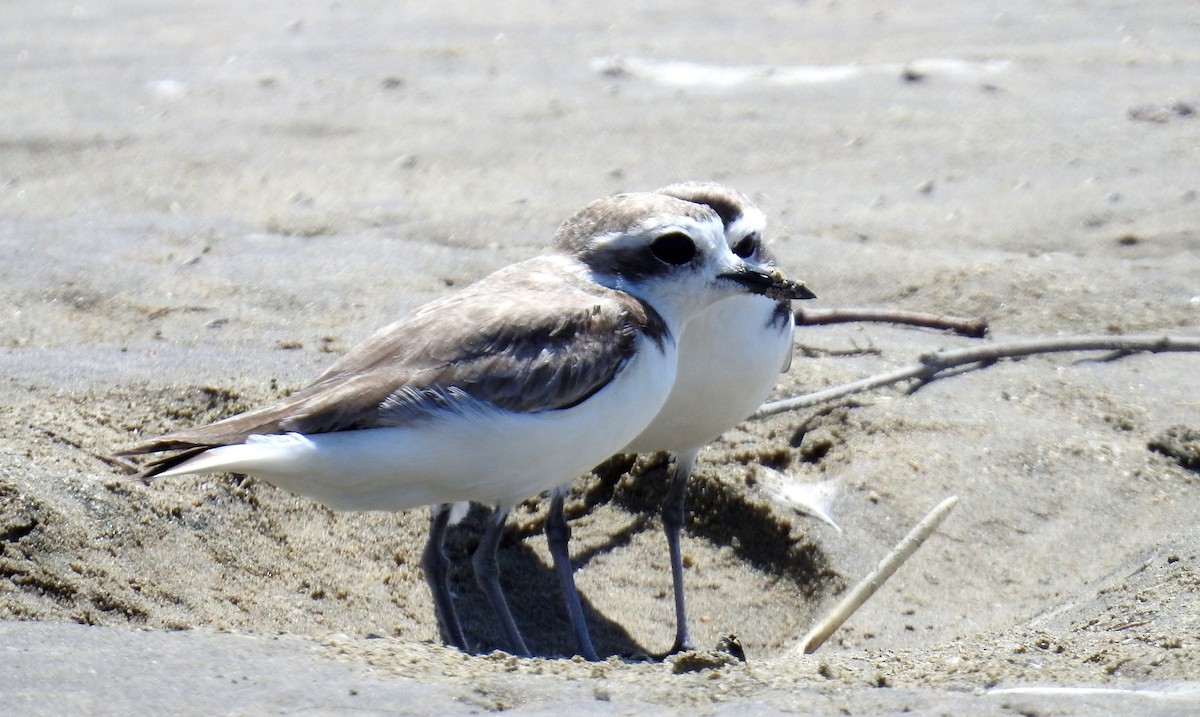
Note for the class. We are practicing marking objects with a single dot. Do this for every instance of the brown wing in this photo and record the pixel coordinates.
(518, 340)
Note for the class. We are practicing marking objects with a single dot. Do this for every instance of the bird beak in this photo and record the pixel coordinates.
(772, 284)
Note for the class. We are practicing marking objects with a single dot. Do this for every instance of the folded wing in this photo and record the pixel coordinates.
(496, 345)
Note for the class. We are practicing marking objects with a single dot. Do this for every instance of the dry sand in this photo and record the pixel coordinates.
(200, 206)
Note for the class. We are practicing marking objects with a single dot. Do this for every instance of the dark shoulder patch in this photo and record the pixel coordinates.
(782, 316)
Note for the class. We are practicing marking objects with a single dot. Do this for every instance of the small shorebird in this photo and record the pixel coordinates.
(514, 385)
(730, 357)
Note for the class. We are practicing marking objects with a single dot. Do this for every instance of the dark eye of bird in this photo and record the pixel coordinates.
(675, 248)
(747, 245)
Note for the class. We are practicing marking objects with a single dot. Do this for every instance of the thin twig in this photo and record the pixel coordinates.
(974, 327)
(877, 577)
(931, 364)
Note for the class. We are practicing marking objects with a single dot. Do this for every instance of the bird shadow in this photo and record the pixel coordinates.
(720, 512)
(532, 590)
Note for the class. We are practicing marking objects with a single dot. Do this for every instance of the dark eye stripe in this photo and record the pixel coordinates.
(747, 245)
(675, 248)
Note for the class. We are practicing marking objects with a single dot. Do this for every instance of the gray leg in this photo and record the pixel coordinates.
(487, 574)
(558, 535)
(437, 568)
(673, 518)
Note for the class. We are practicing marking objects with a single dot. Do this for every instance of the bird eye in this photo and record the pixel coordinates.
(674, 248)
(747, 245)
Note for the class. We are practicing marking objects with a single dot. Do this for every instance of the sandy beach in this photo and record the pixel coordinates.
(202, 207)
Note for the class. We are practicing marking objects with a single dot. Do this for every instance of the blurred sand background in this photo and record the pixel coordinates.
(202, 205)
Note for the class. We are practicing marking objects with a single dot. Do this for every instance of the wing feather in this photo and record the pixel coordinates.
(526, 339)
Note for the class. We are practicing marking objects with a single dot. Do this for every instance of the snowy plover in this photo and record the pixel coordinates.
(730, 356)
(512, 386)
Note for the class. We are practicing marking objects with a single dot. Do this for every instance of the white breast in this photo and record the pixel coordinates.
(730, 357)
